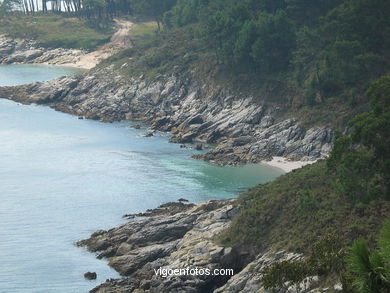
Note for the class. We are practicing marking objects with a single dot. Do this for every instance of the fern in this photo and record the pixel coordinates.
(384, 249)
(369, 271)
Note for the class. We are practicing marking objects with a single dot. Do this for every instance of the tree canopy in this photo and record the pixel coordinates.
(362, 159)
(329, 45)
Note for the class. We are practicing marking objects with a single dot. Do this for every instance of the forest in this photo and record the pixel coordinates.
(324, 46)
(326, 49)
(99, 10)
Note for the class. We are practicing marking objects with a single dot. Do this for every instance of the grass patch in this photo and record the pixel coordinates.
(142, 29)
(53, 30)
(158, 54)
(296, 209)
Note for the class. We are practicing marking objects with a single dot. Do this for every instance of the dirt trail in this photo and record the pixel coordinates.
(121, 37)
(118, 41)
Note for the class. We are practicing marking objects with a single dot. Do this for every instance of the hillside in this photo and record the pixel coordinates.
(255, 79)
(296, 209)
(315, 59)
(56, 30)
(323, 208)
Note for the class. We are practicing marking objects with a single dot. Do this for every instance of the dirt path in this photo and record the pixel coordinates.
(119, 40)
(121, 37)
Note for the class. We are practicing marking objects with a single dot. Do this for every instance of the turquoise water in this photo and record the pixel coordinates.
(26, 73)
(62, 178)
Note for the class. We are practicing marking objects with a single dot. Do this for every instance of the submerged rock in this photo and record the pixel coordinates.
(90, 275)
(199, 147)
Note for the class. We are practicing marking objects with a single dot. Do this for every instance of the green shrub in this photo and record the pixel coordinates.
(282, 275)
(307, 202)
(361, 161)
(326, 258)
(369, 270)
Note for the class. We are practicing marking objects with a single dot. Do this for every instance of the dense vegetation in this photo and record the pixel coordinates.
(315, 57)
(359, 268)
(96, 10)
(324, 53)
(295, 209)
(347, 195)
(328, 45)
(56, 31)
(361, 161)
(368, 270)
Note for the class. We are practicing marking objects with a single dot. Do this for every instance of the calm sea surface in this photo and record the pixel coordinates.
(62, 178)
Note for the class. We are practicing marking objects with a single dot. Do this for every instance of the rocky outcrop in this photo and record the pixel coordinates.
(243, 130)
(147, 251)
(250, 278)
(175, 236)
(14, 51)
(180, 240)
(90, 275)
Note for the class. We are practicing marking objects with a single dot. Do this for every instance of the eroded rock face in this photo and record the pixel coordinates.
(170, 241)
(243, 130)
(27, 51)
(249, 280)
(181, 240)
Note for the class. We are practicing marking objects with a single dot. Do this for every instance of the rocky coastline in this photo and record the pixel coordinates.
(171, 238)
(20, 51)
(177, 235)
(242, 130)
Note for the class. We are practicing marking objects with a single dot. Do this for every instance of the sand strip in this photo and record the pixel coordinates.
(286, 165)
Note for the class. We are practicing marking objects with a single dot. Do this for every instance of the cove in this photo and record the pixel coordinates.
(62, 178)
(18, 74)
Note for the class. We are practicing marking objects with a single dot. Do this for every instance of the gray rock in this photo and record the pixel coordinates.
(28, 51)
(90, 275)
(166, 241)
(23, 56)
(138, 255)
(243, 131)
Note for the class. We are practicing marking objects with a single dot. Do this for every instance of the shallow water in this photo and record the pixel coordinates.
(25, 73)
(62, 178)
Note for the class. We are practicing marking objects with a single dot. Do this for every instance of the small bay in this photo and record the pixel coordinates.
(17, 74)
(62, 178)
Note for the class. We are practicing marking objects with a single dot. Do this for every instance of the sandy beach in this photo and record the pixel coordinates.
(286, 165)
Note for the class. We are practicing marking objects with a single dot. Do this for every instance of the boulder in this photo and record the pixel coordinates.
(90, 275)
